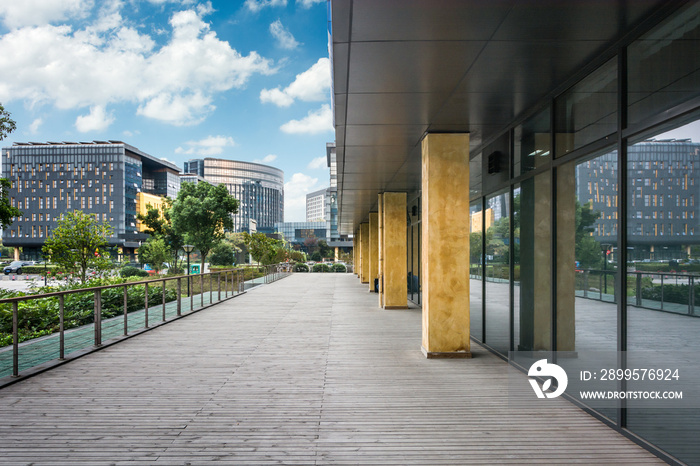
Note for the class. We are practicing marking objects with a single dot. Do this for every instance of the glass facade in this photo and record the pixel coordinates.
(101, 178)
(598, 249)
(258, 188)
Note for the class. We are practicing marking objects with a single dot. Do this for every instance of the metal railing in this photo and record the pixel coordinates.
(113, 311)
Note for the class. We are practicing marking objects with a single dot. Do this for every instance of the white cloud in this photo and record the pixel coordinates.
(313, 85)
(285, 39)
(96, 120)
(295, 191)
(267, 159)
(314, 122)
(109, 62)
(212, 145)
(318, 162)
(257, 5)
(34, 127)
(20, 13)
(309, 3)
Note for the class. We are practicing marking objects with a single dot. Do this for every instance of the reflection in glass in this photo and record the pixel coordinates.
(476, 318)
(663, 274)
(586, 206)
(497, 272)
(664, 65)
(588, 111)
(532, 270)
(413, 248)
(532, 143)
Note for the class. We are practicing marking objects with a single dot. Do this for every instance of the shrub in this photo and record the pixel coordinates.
(301, 268)
(321, 268)
(129, 271)
(339, 268)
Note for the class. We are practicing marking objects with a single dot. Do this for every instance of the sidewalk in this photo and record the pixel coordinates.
(303, 371)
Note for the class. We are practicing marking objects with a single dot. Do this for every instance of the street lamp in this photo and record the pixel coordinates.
(188, 249)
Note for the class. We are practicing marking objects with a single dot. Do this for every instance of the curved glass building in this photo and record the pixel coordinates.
(259, 189)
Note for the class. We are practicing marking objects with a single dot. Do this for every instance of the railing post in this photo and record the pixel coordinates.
(163, 299)
(201, 288)
(585, 283)
(211, 285)
(98, 317)
(600, 279)
(179, 296)
(226, 284)
(61, 328)
(662, 292)
(145, 306)
(691, 296)
(126, 311)
(190, 286)
(218, 284)
(15, 340)
(638, 287)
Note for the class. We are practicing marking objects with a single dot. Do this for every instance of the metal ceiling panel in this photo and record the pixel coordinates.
(393, 109)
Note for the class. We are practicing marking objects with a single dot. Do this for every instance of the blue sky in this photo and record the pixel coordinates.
(179, 79)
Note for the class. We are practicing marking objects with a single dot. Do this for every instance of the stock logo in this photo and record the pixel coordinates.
(543, 369)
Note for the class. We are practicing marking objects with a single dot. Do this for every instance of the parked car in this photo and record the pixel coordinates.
(16, 267)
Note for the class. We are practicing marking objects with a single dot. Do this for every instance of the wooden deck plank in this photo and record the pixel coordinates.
(304, 371)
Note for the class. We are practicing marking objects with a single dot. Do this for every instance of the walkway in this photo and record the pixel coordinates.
(304, 371)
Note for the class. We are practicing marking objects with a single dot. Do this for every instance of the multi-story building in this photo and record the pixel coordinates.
(296, 233)
(108, 178)
(662, 190)
(316, 206)
(258, 188)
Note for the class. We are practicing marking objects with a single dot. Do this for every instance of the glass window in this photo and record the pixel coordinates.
(588, 111)
(532, 143)
(476, 302)
(664, 65)
(497, 272)
(663, 278)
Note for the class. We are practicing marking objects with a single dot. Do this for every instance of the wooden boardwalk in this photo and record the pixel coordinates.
(303, 371)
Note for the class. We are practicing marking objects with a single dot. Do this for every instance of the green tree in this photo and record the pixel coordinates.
(7, 212)
(79, 243)
(588, 250)
(155, 253)
(221, 254)
(202, 214)
(263, 249)
(297, 256)
(160, 225)
(325, 250)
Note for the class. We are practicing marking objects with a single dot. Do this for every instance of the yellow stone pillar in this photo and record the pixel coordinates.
(566, 257)
(364, 252)
(355, 249)
(373, 248)
(445, 245)
(395, 268)
(380, 248)
(16, 255)
(335, 256)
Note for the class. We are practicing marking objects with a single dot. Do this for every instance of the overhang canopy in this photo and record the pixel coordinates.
(403, 68)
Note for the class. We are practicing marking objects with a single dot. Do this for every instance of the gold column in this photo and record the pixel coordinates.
(380, 249)
(566, 257)
(373, 248)
(445, 245)
(395, 254)
(364, 252)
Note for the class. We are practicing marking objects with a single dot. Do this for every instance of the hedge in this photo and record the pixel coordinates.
(339, 268)
(322, 268)
(300, 268)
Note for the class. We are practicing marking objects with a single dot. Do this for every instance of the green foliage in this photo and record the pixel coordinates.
(323, 268)
(79, 243)
(221, 254)
(202, 214)
(39, 317)
(297, 256)
(7, 212)
(339, 268)
(300, 268)
(263, 249)
(678, 294)
(129, 271)
(316, 256)
(159, 225)
(155, 253)
(325, 250)
(7, 124)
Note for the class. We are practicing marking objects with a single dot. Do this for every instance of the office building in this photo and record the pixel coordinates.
(111, 179)
(316, 206)
(467, 134)
(258, 188)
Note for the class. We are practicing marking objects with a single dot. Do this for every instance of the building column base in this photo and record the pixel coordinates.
(396, 307)
(446, 355)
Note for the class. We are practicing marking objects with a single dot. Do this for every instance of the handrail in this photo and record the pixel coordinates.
(229, 283)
